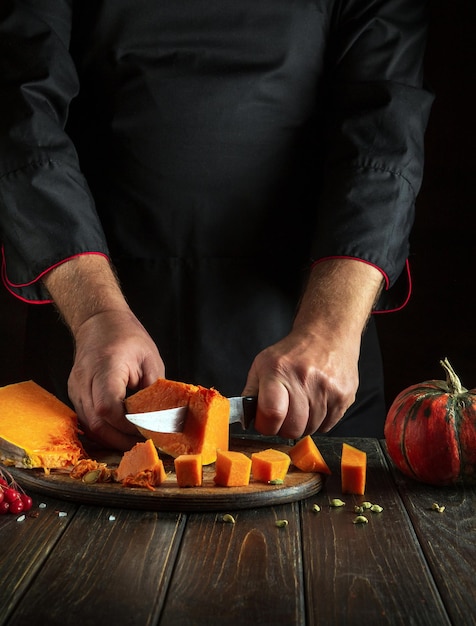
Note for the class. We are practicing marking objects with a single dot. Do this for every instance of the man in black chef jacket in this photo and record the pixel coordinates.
(226, 188)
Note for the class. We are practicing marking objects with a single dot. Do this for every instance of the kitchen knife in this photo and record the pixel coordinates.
(242, 410)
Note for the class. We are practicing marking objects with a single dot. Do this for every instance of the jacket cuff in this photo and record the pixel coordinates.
(34, 292)
(393, 297)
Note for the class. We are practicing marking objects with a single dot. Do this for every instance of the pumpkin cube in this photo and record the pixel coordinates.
(232, 469)
(188, 470)
(269, 465)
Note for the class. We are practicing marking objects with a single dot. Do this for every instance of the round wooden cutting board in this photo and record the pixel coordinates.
(169, 496)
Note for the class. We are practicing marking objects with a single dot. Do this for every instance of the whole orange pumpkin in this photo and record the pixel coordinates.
(430, 431)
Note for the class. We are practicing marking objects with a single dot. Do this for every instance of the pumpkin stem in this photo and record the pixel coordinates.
(454, 384)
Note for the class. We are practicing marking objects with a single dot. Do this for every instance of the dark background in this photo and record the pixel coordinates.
(439, 319)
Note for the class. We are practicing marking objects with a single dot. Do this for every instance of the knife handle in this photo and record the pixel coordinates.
(249, 409)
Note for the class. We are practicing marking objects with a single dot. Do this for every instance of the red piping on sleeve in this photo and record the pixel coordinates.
(12, 286)
(387, 282)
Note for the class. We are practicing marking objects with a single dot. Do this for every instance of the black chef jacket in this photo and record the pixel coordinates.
(214, 151)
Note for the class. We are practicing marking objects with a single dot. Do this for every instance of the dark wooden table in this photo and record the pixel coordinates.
(408, 565)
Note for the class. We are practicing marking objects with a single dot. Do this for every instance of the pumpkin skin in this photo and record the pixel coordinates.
(430, 431)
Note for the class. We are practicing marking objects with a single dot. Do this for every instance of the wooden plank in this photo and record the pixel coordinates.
(169, 496)
(372, 573)
(247, 572)
(111, 566)
(26, 545)
(447, 539)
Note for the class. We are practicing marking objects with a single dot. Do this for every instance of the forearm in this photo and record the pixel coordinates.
(83, 287)
(338, 298)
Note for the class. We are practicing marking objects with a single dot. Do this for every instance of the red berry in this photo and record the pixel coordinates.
(3, 482)
(11, 494)
(16, 506)
(4, 507)
(27, 502)
(2, 495)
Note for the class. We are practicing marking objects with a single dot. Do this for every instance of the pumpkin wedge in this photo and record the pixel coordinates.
(305, 455)
(37, 430)
(141, 466)
(207, 423)
(353, 470)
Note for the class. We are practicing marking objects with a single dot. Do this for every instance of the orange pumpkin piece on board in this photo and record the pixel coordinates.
(188, 469)
(232, 469)
(305, 455)
(353, 470)
(207, 423)
(141, 467)
(269, 465)
(37, 430)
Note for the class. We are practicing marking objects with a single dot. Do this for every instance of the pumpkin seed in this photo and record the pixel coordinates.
(361, 519)
(376, 508)
(282, 523)
(336, 502)
(276, 481)
(228, 519)
(92, 476)
(436, 507)
(366, 505)
(316, 508)
(358, 509)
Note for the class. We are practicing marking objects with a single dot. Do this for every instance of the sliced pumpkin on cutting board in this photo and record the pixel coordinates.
(206, 426)
(141, 466)
(270, 464)
(37, 430)
(232, 469)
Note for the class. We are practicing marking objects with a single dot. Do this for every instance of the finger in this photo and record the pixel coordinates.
(154, 368)
(107, 399)
(332, 418)
(317, 413)
(272, 409)
(109, 437)
(298, 417)
(101, 432)
(146, 371)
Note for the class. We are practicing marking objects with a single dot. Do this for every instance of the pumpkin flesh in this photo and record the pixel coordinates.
(37, 430)
(206, 426)
(306, 456)
(353, 470)
(232, 469)
(269, 465)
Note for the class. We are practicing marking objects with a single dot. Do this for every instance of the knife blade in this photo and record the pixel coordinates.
(242, 411)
